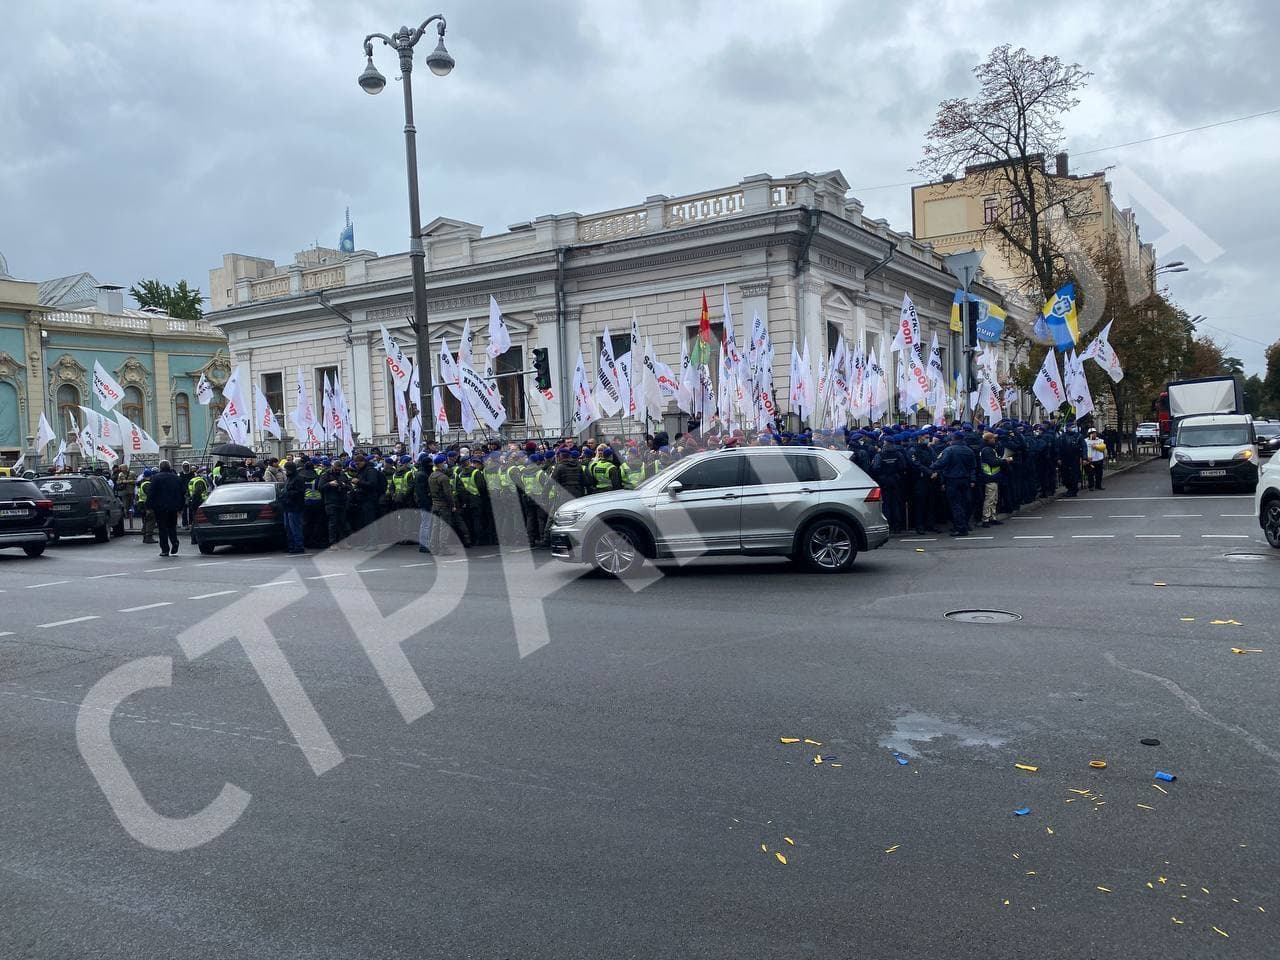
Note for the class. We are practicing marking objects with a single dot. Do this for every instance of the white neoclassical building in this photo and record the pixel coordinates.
(796, 249)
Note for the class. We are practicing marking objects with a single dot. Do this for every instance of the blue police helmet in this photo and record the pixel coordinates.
(605, 451)
(424, 458)
(572, 453)
(535, 457)
(440, 458)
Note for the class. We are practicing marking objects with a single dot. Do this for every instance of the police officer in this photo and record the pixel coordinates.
(334, 489)
(367, 484)
(197, 491)
(422, 497)
(604, 473)
(890, 470)
(922, 455)
(956, 466)
(533, 483)
(444, 508)
(991, 467)
(142, 504)
(1070, 453)
(313, 523)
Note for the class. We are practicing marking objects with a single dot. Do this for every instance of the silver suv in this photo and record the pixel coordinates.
(810, 504)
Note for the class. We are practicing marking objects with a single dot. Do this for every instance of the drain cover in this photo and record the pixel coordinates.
(982, 616)
(1246, 557)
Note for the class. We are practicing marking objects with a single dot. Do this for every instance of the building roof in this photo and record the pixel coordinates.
(70, 293)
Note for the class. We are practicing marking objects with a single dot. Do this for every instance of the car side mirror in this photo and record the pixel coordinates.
(674, 487)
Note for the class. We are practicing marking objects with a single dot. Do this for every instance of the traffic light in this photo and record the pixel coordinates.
(541, 368)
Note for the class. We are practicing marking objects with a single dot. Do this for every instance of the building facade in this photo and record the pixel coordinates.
(957, 214)
(52, 332)
(797, 250)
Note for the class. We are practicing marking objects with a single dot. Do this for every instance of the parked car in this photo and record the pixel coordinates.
(1147, 432)
(1214, 449)
(1268, 502)
(240, 513)
(26, 516)
(83, 505)
(1268, 436)
(803, 502)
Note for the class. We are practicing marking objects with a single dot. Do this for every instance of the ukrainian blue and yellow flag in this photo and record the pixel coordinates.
(1059, 315)
(957, 304)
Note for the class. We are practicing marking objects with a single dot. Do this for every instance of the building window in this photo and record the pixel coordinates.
(132, 407)
(834, 333)
(321, 373)
(68, 404)
(511, 388)
(273, 390)
(1016, 208)
(990, 209)
(182, 418)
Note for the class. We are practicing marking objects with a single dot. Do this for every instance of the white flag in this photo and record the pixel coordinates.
(688, 379)
(608, 387)
(917, 377)
(267, 422)
(397, 362)
(415, 437)
(328, 421)
(449, 370)
(908, 335)
(204, 391)
(103, 429)
(45, 434)
(16, 469)
(796, 397)
(60, 458)
(1104, 355)
(653, 398)
(989, 402)
(499, 335)
(584, 405)
(304, 413)
(136, 440)
(347, 428)
(936, 373)
(1078, 387)
(878, 389)
(441, 416)
(109, 392)
(237, 407)
(1048, 386)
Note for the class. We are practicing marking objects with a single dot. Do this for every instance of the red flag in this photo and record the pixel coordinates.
(701, 352)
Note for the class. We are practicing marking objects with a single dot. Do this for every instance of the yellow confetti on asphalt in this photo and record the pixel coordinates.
(1204, 889)
(817, 760)
(815, 743)
(1226, 623)
(1098, 764)
(1017, 856)
(1031, 873)
(1162, 879)
(1049, 830)
(1083, 793)
(837, 764)
(1260, 910)
(1026, 766)
(781, 859)
(1104, 889)
(764, 848)
(1177, 921)
(1006, 903)
(1243, 650)
(1234, 900)
(1161, 789)
(1159, 583)
(789, 840)
(1070, 800)
(893, 848)
(1150, 885)
(1187, 619)
(919, 549)
(788, 739)
(1145, 806)
(1221, 932)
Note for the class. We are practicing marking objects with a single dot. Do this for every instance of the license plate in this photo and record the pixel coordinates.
(1213, 473)
(13, 513)
(233, 516)
(62, 508)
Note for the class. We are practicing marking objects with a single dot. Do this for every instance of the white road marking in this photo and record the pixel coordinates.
(1093, 536)
(1249, 515)
(273, 583)
(1224, 536)
(51, 583)
(975, 538)
(156, 569)
(1127, 516)
(146, 606)
(211, 563)
(1034, 538)
(251, 559)
(6, 633)
(425, 563)
(206, 596)
(1236, 496)
(486, 556)
(1076, 516)
(326, 576)
(1157, 536)
(372, 570)
(104, 576)
(456, 561)
(1026, 518)
(1183, 516)
(919, 540)
(63, 623)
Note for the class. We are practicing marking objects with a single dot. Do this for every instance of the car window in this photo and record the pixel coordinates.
(243, 493)
(19, 490)
(1267, 429)
(787, 468)
(1214, 435)
(712, 473)
(65, 486)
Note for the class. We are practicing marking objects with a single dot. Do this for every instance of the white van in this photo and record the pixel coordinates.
(1214, 449)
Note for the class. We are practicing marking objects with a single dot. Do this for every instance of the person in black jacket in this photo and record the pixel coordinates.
(367, 489)
(334, 489)
(167, 496)
(957, 466)
(922, 456)
(890, 468)
(1070, 452)
(292, 500)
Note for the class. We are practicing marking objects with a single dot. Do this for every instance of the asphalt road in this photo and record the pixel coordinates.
(619, 790)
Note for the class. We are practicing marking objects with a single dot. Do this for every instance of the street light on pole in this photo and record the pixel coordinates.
(372, 82)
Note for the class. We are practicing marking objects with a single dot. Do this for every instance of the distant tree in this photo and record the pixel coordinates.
(1205, 359)
(1254, 395)
(1012, 124)
(179, 301)
(1271, 379)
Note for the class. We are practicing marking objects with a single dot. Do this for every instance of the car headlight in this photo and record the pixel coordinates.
(1243, 455)
(1182, 458)
(564, 517)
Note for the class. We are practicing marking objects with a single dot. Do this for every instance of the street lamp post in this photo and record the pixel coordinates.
(372, 82)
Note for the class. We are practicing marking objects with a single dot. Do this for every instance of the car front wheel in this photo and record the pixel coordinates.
(1271, 522)
(614, 552)
(829, 546)
(33, 549)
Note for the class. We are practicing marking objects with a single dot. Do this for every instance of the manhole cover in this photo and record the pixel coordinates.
(982, 616)
(1247, 557)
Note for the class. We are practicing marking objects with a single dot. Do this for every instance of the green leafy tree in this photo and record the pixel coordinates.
(178, 301)
(1254, 394)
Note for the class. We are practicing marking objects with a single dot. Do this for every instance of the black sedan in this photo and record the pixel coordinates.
(1268, 437)
(240, 513)
(83, 505)
(26, 516)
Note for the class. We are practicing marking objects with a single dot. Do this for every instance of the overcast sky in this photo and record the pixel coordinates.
(146, 139)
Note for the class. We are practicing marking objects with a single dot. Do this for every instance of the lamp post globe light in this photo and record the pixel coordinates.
(371, 81)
